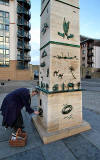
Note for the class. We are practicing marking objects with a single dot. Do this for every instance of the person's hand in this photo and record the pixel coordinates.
(36, 112)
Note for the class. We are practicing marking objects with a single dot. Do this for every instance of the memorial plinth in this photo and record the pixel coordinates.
(59, 82)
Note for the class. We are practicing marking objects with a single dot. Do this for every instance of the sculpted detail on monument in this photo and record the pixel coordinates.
(67, 109)
(43, 64)
(66, 57)
(44, 54)
(65, 29)
(72, 70)
(44, 29)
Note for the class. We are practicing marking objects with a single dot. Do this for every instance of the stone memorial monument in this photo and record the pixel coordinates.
(59, 82)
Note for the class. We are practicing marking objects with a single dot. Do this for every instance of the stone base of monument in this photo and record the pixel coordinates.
(48, 137)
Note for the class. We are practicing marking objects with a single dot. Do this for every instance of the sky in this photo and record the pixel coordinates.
(89, 24)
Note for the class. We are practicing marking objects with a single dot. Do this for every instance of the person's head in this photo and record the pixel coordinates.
(33, 92)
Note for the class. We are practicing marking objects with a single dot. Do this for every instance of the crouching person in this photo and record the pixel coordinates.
(12, 105)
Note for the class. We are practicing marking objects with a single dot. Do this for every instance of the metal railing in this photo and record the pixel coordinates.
(23, 57)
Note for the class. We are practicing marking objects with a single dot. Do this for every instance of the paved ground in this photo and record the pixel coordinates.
(84, 146)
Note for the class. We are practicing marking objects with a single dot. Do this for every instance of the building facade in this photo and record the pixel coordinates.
(14, 39)
(90, 52)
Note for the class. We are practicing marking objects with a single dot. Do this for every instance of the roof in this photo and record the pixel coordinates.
(86, 39)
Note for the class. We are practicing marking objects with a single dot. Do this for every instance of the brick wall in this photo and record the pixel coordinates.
(14, 74)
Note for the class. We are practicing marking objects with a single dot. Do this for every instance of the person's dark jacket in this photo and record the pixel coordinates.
(13, 103)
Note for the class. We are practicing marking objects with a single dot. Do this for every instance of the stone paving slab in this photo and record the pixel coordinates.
(93, 118)
(93, 137)
(82, 148)
(12, 85)
(4, 134)
(1, 120)
(57, 151)
(32, 154)
(6, 150)
(91, 101)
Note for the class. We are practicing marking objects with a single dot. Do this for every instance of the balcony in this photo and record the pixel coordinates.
(20, 45)
(25, 24)
(90, 61)
(83, 58)
(23, 57)
(27, 36)
(20, 34)
(90, 54)
(22, 67)
(27, 47)
(27, 58)
(21, 10)
(22, 1)
(20, 57)
(29, 4)
(90, 47)
(26, 2)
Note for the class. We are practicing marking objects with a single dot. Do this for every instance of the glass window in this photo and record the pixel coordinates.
(1, 39)
(83, 51)
(1, 51)
(1, 33)
(4, 2)
(1, 27)
(1, 20)
(7, 59)
(7, 39)
(1, 13)
(4, 38)
(6, 27)
(7, 62)
(1, 2)
(7, 15)
(7, 34)
(1, 45)
(7, 52)
(1, 63)
(6, 21)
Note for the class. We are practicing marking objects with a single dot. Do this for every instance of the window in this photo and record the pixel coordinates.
(4, 37)
(1, 20)
(1, 33)
(84, 44)
(1, 39)
(7, 52)
(1, 51)
(1, 13)
(7, 39)
(4, 2)
(7, 63)
(6, 27)
(1, 27)
(83, 51)
(7, 21)
(7, 15)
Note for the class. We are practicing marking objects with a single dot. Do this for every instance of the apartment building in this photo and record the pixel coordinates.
(14, 39)
(90, 52)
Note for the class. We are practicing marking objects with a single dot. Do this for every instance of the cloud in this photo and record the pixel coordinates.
(35, 35)
(35, 46)
(35, 58)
